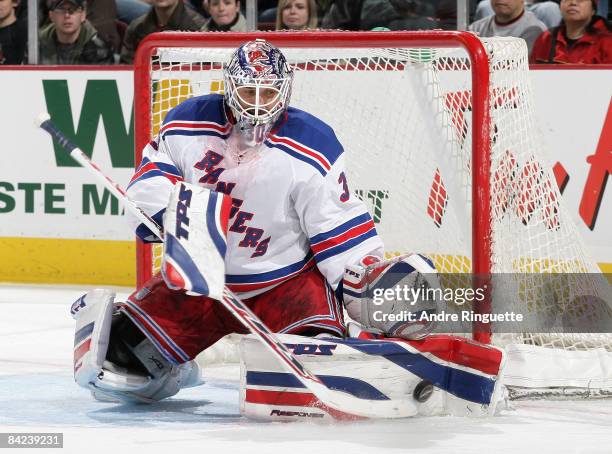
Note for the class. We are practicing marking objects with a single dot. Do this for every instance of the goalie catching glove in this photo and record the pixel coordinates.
(390, 296)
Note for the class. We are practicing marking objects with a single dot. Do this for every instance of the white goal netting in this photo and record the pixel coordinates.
(404, 117)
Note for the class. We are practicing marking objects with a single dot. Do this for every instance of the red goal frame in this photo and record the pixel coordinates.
(481, 137)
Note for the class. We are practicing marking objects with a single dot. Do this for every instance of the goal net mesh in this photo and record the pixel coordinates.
(404, 118)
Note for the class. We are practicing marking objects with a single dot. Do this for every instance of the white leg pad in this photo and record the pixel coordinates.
(444, 375)
(93, 314)
(107, 381)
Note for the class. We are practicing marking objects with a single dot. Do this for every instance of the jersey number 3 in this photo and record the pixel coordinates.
(345, 189)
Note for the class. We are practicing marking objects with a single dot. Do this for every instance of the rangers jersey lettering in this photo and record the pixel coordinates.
(291, 204)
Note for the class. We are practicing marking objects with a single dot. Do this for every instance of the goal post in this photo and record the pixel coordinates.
(441, 139)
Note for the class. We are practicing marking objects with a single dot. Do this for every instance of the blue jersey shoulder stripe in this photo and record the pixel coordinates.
(146, 175)
(168, 168)
(144, 162)
(308, 131)
(302, 157)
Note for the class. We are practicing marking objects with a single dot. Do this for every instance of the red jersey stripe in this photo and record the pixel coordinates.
(349, 234)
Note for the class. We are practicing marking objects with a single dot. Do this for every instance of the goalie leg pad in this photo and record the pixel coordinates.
(93, 314)
(443, 375)
(106, 364)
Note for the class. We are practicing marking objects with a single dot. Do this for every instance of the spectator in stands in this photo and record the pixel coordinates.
(225, 16)
(165, 15)
(547, 11)
(582, 37)
(70, 39)
(296, 15)
(13, 34)
(102, 14)
(268, 11)
(510, 19)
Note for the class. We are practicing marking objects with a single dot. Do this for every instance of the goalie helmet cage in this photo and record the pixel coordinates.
(475, 199)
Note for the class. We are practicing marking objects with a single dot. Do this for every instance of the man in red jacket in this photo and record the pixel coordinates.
(583, 37)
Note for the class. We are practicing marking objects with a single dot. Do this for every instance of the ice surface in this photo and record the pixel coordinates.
(37, 393)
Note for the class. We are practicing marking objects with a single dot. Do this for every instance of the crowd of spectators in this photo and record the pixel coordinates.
(569, 32)
(109, 31)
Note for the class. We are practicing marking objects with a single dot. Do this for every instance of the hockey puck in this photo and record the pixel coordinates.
(423, 391)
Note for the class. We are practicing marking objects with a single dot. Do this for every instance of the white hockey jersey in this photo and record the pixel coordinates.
(291, 204)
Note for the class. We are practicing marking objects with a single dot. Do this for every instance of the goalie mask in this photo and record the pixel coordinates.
(257, 88)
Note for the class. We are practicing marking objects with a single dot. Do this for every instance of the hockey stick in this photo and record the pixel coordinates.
(339, 403)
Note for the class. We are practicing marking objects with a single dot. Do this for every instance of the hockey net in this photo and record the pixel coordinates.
(442, 145)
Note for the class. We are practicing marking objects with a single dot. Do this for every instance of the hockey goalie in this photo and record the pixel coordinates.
(255, 192)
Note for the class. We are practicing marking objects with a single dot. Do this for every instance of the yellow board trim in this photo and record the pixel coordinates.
(605, 267)
(67, 261)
